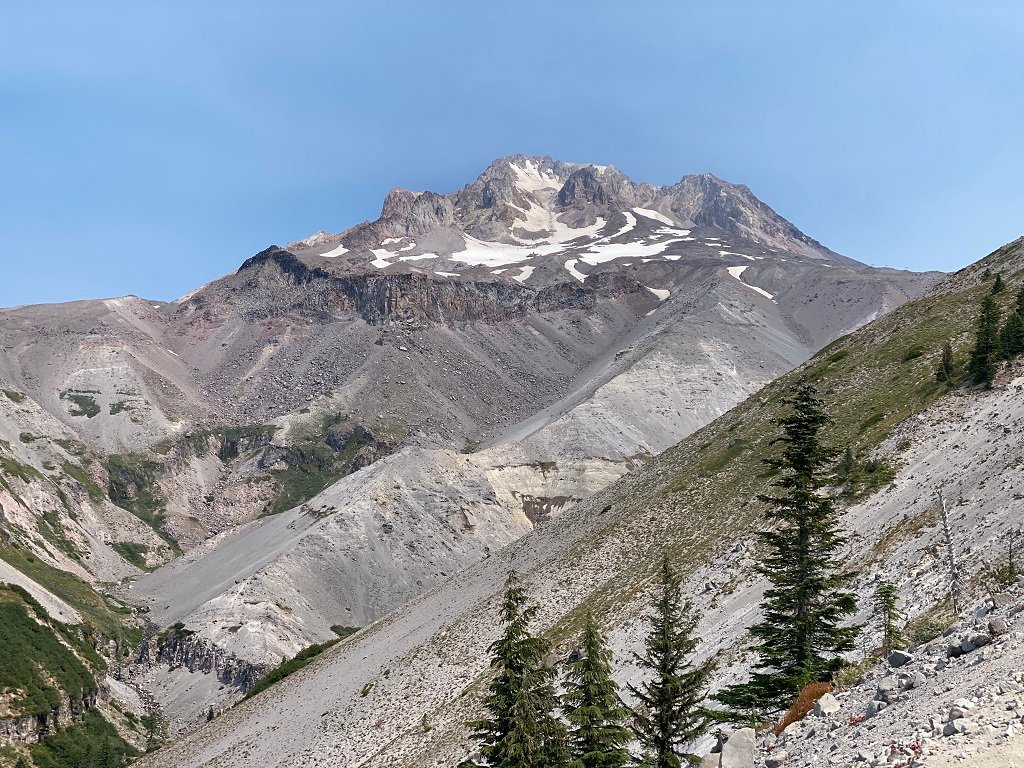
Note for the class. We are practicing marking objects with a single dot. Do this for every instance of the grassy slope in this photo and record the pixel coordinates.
(704, 489)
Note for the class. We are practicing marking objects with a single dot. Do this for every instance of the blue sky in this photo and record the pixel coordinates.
(149, 147)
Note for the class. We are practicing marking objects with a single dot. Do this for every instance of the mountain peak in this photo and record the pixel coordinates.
(535, 210)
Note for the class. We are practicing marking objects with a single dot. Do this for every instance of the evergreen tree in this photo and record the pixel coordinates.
(1011, 338)
(522, 730)
(846, 467)
(997, 284)
(799, 637)
(986, 352)
(885, 606)
(947, 366)
(597, 732)
(670, 714)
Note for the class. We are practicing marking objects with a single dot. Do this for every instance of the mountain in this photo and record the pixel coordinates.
(346, 423)
(400, 691)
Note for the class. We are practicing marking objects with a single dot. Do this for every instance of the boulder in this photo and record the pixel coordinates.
(874, 707)
(960, 709)
(738, 751)
(888, 688)
(954, 650)
(997, 626)
(1001, 600)
(826, 705)
(898, 658)
(915, 680)
(776, 760)
(960, 725)
(710, 761)
(888, 685)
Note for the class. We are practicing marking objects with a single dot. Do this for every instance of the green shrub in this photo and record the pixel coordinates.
(913, 353)
(93, 743)
(342, 631)
(82, 404)
(132, 552)
(83, 478)
(301, 659)
(14, 396)
(34, 662)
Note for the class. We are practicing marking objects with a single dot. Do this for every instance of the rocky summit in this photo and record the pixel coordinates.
(326, 439)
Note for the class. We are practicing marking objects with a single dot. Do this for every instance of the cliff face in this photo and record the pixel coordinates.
(276, 283)
(31, 729)
(183, 649)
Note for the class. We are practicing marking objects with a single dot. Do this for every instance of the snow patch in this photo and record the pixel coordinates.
(381, 254)
(627, 227)
(733, 253)
(338, 250)
(602, 252)
(649, 214)
(448, 274)
(530, 178)
(524, 274)
(661, 293)
(418, 257)
(570, 265)
(682, 234)
(488, 254)
(737, 271)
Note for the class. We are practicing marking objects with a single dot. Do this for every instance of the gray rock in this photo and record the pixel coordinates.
(954, 650)
(898, 658)
(960, 709)
(1001, 600)
(960, 725)
(792, 731)
(997, 626)
(738, 751)
(874, 707)
(888, 685)
(711, 761)
(776, 760)
(915, 680)
(967, 646)
(826, 705)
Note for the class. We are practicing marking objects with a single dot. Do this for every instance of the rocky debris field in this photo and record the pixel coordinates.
(955, 700)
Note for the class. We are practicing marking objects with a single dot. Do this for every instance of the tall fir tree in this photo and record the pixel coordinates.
(998, 284)
(987, 346)
(522, 730)
(670, 712)
(946, 370)
(1011, 337)
(799, 637)
(885, 606)
(598, 735)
